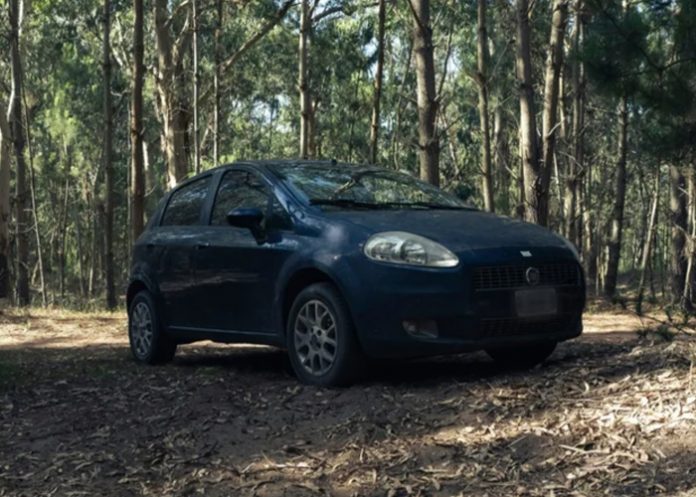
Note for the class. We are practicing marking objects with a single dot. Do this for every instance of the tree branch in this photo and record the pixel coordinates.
(248, 45)
(230, 61)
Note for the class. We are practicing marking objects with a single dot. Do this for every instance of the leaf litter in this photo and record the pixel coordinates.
(609, 414)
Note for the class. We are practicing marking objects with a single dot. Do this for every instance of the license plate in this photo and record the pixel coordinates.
(535, 302)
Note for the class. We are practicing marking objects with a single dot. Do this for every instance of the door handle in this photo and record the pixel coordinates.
(150, 246)
(203, 245)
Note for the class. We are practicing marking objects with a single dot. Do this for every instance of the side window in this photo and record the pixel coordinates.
(185, 205)
(238, 189)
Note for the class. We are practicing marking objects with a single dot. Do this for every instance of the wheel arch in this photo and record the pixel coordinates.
(301, 279)
(136, 285)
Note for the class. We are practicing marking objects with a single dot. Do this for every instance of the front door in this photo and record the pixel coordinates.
(235, 274)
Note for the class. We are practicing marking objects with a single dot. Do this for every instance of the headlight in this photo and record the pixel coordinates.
(399, 247)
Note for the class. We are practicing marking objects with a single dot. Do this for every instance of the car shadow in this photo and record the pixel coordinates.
(250, 359)
(416, 373)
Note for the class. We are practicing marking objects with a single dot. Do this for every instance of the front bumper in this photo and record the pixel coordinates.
(467, 318)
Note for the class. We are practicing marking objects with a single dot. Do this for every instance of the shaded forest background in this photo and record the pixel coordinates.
(578, 115)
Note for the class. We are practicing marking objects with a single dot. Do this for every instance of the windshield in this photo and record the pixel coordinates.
(363, 187)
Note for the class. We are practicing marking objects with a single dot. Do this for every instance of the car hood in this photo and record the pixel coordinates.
(458, 230)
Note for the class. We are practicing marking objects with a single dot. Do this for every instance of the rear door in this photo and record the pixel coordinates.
(236, 274)
(175, 242)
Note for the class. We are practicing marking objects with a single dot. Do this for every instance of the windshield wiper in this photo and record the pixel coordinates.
(428, 205)
(344, 202)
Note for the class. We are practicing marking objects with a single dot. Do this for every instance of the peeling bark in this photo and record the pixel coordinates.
(428, 142)
(377, 96)
(484, 118)
(137, 159)
(529, 150)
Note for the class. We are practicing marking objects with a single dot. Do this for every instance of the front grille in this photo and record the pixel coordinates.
(499, 277)
(502, 327)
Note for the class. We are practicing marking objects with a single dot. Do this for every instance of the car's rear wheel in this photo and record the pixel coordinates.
(148, 342)
(321, 338)
(522, 356)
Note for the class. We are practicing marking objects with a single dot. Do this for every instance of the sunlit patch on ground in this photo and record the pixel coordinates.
(609, 414)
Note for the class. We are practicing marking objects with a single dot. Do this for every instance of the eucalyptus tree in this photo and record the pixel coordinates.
(108, 159)
(552, 73)
(529, 151)
(173, 35)
(574, 199)
(137, 183)
(19, 140)
(5, 153)
(303, 81)
(428, 140)
(217, 56)
(379, 76)
(483, 81)
(615, 55)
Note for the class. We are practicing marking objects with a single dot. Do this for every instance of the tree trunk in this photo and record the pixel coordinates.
(196, 89)
(137, 158)
(615, 237)
(678, 222)
(312, 128)
(649, 240)
(172, 106)
(305, 97)
(5, 152)
(688, 294)
(576, 163)
(63, 227)
(501, 159)
(77, 219)
(216, 84)
(451, 145)
(108, 165)
(23, 296)
(529, 152)
(377, 96)
(34, 212)
(484, 119)
(428, 143)
(554, 64)
(399, 108)
(589, 247)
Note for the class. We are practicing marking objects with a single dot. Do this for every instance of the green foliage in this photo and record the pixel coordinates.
(647, 52)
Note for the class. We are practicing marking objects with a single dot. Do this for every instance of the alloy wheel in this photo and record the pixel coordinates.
(141, 329)
(315, 337)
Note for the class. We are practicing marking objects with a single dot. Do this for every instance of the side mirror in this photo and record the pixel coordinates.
(249, 218)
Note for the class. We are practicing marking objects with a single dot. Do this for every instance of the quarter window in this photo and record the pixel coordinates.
(185, 205)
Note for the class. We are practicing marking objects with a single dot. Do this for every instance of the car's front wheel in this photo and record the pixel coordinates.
(321, 338)
(148, 343)
(522, 356)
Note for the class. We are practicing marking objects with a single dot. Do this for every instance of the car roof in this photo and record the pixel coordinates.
(263, 164)
(295, 163)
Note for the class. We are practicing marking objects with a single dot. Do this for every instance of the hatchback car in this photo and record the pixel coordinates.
(340, 264)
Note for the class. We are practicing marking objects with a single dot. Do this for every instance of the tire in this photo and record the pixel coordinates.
(522, 356)
(148, 342)
(321, 338)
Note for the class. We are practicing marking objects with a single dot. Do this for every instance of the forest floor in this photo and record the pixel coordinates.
(611, 413)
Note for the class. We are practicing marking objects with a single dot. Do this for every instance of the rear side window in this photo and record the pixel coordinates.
(238, 189)
(184, 207)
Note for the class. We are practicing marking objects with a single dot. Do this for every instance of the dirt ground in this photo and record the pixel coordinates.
(612, 413)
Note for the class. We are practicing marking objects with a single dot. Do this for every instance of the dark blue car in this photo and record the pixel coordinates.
(340, 264)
